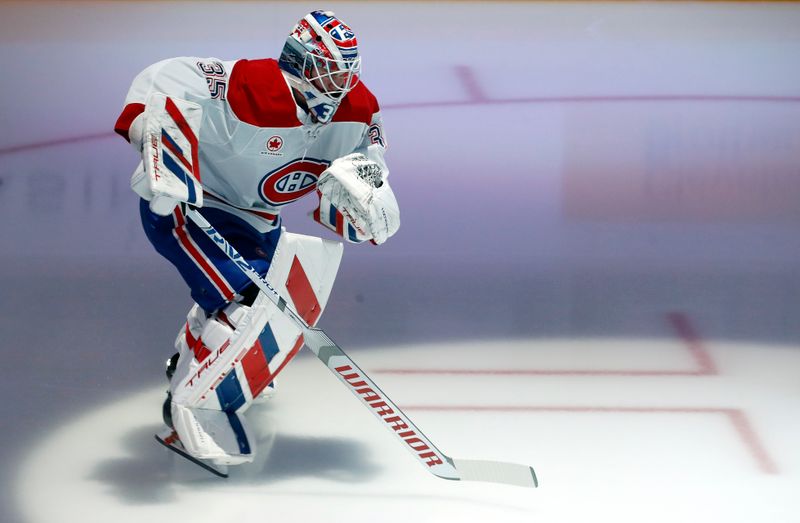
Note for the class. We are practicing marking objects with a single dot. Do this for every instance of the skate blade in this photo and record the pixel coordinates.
(168, 442)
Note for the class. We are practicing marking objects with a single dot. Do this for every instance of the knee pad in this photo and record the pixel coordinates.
(229, 358)
(190, 332)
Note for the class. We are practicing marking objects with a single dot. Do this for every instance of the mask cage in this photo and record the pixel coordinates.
(334, 78)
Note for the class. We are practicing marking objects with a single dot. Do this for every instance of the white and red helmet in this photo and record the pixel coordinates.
(321, 60)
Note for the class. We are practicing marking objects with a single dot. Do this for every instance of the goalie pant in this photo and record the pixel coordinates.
(227, 359)
(213, 278)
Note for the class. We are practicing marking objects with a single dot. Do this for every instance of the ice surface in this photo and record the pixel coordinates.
(597, 271)
(621, 450)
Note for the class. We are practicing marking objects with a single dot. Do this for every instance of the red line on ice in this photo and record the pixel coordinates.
(597, 99)
(737, 417)
(477, 97)
(542, 372)
(678, 320)
(54, 142)
(466, 76)
(750, 438)
(684, 328)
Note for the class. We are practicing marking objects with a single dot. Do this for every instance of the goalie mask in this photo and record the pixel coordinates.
(320, 59)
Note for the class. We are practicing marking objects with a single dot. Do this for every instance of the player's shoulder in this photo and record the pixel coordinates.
(181, 76)
(189, 64)
(358, 106)
(259, 95)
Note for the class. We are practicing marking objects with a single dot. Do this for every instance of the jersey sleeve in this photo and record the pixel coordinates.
(185, 78)
(373, 144)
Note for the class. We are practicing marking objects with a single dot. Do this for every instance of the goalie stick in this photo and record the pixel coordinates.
(438, 463)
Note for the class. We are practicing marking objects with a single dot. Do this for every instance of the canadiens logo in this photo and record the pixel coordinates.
(343, 35)
(291, 181)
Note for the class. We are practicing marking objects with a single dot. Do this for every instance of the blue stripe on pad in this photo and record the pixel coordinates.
(268, 343)
(229, 393)
(238, 429)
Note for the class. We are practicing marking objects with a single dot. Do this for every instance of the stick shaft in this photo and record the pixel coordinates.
(344, 368)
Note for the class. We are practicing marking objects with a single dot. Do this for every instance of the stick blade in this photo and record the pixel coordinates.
(496, 472)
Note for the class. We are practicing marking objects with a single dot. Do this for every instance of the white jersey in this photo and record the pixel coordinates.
(258, 150)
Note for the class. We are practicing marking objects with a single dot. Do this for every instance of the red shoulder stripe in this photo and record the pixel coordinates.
(258, 95)
(358, 106)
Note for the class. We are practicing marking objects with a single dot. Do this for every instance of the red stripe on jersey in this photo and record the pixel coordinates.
(258, 94)
(209, 270)
(263, 214)
(358, 106)
(256, 369)
(183, 125)
(302, 294)
(126, 118)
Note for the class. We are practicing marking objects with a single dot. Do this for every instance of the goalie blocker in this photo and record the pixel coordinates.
(167, 133)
